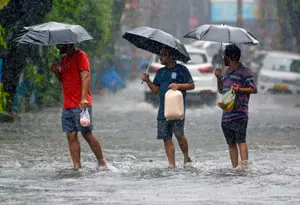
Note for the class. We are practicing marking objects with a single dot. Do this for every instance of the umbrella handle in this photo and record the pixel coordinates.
(220, 48)
(146, 71)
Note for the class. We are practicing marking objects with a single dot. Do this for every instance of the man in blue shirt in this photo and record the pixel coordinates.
(177, 77)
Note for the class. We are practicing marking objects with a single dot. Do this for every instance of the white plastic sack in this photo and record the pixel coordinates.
(85, 120)
(174, 107)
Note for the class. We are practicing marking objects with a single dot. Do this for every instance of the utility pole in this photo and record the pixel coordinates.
(262, 23)
(262, 12)
(239, 20)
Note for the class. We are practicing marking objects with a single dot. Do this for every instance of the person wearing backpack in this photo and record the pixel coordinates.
(74, 75)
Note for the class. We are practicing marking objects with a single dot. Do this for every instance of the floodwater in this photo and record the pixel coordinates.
(36, 167)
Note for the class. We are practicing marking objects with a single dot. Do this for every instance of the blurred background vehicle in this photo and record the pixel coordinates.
(256, 63)
(211, 48)
(202, 71)
(280, 73)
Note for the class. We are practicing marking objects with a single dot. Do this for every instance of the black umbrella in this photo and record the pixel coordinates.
(153, 40)
(53, 33)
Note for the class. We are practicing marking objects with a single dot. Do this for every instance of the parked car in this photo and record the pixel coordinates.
(210, 47)
(257, 62)
(202, 72)
(280, 73)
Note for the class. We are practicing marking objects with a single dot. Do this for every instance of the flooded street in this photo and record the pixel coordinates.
(36, 167)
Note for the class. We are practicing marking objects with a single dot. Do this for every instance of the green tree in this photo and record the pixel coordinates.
(99, 17)
(117, 11)
(94, 16)
(3, 94)
(2, 42)
(289, 19)
(293, 10)
(16, 15)
(66, 11)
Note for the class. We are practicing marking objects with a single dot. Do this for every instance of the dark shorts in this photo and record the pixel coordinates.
(70, 120)
(166, 128)
(235, 131)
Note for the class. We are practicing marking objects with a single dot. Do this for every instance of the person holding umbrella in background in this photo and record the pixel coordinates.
(238, 77)
(234, 122)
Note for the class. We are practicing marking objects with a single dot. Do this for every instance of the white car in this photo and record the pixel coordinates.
(257, 62)
(202, 73)
(211, 48)
(280, 73)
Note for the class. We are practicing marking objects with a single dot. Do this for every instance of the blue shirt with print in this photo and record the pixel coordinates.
(164, 77)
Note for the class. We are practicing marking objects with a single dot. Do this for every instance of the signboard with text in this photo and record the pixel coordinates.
(226, 10)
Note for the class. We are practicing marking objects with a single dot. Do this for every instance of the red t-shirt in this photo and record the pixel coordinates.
(71, 67)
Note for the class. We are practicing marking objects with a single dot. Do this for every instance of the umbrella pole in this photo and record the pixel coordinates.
(220, 54)
(148, 67)
(147, 70)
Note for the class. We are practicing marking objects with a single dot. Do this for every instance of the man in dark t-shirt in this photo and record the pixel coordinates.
(177, 77)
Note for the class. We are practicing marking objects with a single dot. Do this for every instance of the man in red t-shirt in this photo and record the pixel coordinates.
(74, 74)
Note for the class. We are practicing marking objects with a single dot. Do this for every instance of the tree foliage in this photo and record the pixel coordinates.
(2, 32)
(2, 42)
(65, 11)
(94, 16)
(292, 9)
(13, 17)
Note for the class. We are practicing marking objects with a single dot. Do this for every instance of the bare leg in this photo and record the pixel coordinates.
(234, 155)
(244, 154)
(74, 147)
(183, 144)
(170, 151)
(95, 146)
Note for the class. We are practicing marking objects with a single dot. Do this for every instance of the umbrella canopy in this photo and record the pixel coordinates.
(223, 34)
(52, 33)
(153, 40)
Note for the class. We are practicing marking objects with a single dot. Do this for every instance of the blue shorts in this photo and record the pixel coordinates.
(235, 131)
(70, 120)
(166, 128)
